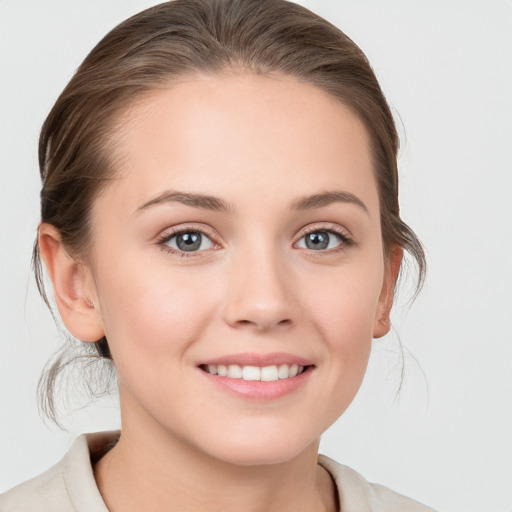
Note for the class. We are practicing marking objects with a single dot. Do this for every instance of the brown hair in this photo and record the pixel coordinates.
(184, 37)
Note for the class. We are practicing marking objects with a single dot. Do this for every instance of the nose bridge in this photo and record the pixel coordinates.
(259, 288)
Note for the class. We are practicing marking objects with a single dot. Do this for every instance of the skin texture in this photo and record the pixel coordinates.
(259, 144)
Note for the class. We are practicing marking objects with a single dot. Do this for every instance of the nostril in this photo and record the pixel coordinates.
(264, 324)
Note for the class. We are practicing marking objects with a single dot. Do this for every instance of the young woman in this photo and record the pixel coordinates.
(220, 223)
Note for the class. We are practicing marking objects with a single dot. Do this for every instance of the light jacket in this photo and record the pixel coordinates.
(69, 486)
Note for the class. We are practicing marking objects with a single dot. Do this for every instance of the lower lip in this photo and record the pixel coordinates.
(260, 390)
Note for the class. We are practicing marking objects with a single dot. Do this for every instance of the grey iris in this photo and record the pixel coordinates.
(317, 240)
(188, 241)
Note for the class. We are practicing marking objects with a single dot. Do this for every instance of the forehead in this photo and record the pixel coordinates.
(223, 135)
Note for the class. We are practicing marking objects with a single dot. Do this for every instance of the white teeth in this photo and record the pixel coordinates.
(269, 373)
(284, 371)
(266, 373)
(251, 373)
(234, 371)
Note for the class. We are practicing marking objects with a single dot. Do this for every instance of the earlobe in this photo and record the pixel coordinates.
(73, 286)
(382, 323)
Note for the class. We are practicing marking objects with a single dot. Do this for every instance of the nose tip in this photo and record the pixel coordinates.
(259, 311)
(259, 297)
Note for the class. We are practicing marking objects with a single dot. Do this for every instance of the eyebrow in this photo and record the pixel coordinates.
(207, 202)
(202, 201)
(325, 199)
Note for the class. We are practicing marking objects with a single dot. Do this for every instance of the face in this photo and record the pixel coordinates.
(238, 265)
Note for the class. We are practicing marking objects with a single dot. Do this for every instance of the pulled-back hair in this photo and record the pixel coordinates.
(184, 38)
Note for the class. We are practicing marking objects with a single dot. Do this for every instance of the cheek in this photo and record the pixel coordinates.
(345, 314)
(154, 314)
(348, 305)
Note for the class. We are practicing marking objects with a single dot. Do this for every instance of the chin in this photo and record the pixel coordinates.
(261, 450)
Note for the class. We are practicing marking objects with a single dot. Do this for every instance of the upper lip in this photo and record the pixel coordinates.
(255, 359)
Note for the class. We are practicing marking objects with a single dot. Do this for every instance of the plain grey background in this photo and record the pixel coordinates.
(446, 69)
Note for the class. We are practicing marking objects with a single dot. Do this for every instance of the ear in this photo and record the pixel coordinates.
(73, 286)
(382, 323)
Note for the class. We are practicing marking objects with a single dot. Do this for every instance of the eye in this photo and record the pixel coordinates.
(323, 239)
(187, 241)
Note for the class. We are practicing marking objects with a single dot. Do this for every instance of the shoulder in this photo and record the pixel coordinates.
(358, 495)
(48, 488)
(69, 486)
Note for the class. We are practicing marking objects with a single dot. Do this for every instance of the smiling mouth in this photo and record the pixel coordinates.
(254, 373)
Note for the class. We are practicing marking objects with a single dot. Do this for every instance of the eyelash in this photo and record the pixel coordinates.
(166, 237)
(345, 238)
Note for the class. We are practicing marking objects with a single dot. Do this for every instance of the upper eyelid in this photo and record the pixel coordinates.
(335, 228)
(303, 231)
(174, 231)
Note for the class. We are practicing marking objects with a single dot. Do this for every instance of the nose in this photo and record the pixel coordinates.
(260, 293)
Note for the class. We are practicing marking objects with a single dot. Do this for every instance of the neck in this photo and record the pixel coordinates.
(154, 472)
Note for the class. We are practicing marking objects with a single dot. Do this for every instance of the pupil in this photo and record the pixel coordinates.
(188, 241)
(318, 240)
